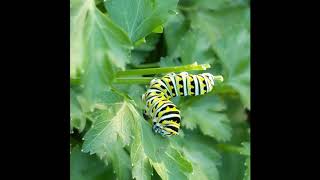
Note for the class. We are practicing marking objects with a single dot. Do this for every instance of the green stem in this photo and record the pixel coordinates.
(149, 71)
(142, 80)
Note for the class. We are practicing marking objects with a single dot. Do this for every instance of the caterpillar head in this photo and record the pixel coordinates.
(163, 130)
(159, 128)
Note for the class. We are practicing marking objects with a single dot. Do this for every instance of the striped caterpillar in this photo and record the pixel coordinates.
(164, 114)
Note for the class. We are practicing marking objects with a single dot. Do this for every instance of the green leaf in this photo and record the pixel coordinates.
(110, 133)
(135, 93)
(206, 112)
(214, 5)
(78, 12)
(247, 171)
(86, 167)
(199, 150)
(77, 118)
(194, 47)
(166, 160)
(139, 17)
(169, 62)
(98, 47)
(120, 160)
(233, 163)
(140, 41)
(149, 45)
(175, 29)
(158, 29)
(245, 149)
(141, 167)
(190, 45)
(111, 125)
(229, 34)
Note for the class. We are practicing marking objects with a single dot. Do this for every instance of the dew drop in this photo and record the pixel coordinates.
(81, 150)
(82, 138)
(132, 165)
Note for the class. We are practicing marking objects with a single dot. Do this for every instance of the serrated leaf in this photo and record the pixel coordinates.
(175, 29)
(141, 168)
(229, 34)
(207, 114)
(195, 47)
(135, 92)
(166, 160)
(188, 44)
(198, 149)
(110, 133)
(111, 125)
(120, 159)
(139, 17)
(97, 48)
(86, 167)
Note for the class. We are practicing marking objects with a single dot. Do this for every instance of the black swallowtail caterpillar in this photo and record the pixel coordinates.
(164, 114)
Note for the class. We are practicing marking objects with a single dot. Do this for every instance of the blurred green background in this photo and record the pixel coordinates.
(109, 139)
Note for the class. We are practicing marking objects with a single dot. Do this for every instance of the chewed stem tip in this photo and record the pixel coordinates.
(219, 78)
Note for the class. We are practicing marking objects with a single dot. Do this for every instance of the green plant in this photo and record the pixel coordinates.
(113, 45)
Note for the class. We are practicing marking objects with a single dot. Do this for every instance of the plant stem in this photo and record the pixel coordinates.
(149, 71)
(138, 80)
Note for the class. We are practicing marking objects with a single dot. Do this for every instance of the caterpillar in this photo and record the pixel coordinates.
(164, 114)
